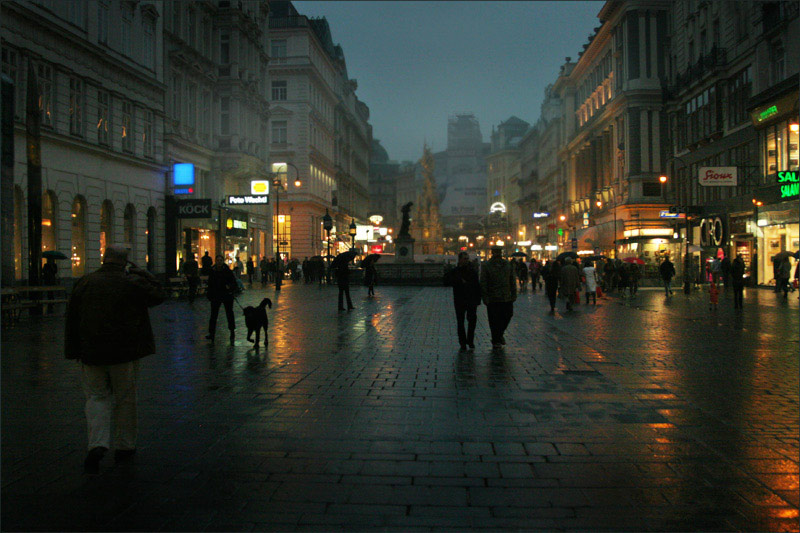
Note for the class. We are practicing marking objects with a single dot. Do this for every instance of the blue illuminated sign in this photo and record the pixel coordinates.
(183, 174)
(185, 190)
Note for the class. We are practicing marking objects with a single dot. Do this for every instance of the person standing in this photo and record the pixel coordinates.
(264, 267)
(737, 280)
(108, 330)
(716, 270)
(221, 288)
(343, 281)
(667, 271)
(522, 273)
(205, 264)
(370, 275)
(190, 270)
(50, 277)
(552, 275)
(466, 298)
(784, 273)
(570, 280)
(306, 271)
(251, 270)
(634, 275)
(499, 290)
(590, 283)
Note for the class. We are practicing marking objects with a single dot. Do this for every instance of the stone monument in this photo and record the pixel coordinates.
(404, 243)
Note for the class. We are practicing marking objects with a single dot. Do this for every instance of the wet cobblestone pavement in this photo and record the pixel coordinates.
(644, 415)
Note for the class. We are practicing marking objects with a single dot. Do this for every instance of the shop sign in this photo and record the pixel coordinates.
(790, 184)
(183, 174)
(765, 114)
(248, 200)
(718, 176)
(194, 208)
(497, 207)
(236, 224)
(712, 232)
(667, 214)
(259, 187)
(551, 247)
(541, 215)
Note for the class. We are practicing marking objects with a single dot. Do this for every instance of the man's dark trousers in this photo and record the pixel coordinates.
(344, 290)
(212, 325)
(471, 312)
(499, 314)
(738, 295)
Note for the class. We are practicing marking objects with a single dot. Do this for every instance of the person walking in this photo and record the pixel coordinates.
(343, 281)
(370, 275)
(251, 270)
(108, 330)
(784, 273)
(221, 288)
(623, 279)
(522, 274)
(552, 276)
(191, 271)
(570, 281)
(608, 275)
(205, 264)
(499, 290)
(306, 271)
(590, 283)
(263, 266)
(634, 275)
(466, 298)
(50, 277)
(535, 273)
(716, 270)
(713, 296)
(667, 271)
(737, 280)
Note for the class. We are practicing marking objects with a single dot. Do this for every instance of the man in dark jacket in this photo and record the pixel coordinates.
(205, 264)
(570, 281)
(499, 290)
(108, 331)
(552, 276)
(667, 271)
(191, 271)
(466, 297)
(737, 280)
(220, 290)
(343, 281)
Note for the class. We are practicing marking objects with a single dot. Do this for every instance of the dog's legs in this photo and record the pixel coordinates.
(258, 334)
(266, 338)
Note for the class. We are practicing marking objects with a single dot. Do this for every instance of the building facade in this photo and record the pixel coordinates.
(504, 220)
(98, 65)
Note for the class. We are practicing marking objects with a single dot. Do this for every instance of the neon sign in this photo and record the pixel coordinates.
(790, 184)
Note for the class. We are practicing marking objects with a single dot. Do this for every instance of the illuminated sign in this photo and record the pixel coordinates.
(768, 112)
(667, 214)
(524, 243)
(376, 219)
(717, 176)
(541, 215)
(536, 247)
(183, 174)
(790, 184)
(551, 247)
(248, 200)
(259, 187)
(236, 224)
(194, 208)
(185, 190)
(497, 207)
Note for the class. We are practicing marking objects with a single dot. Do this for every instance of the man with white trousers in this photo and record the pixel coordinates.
(108, 330)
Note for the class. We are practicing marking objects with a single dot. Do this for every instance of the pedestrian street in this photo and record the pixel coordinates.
(638, 414)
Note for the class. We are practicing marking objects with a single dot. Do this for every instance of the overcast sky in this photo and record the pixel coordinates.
(417, 63)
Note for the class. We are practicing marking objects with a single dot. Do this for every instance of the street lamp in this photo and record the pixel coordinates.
(277, 184)
(327, 223)
(353, 232)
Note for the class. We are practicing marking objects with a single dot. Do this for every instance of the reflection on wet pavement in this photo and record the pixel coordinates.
(647, 414)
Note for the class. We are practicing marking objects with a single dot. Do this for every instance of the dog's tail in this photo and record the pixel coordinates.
(267, 302)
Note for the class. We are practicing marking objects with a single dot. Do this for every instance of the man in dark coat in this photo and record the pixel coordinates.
(737, 280)
(466, 297)
(191, 271)
(343, 281)
(499, 290)
(108, 330)
(667, 270)
(570, 281)
(552, 276)
(205, 264)
(220, 291)
(264, 267)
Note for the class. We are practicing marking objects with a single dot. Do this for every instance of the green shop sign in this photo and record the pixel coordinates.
(790, 184)
(768, 112)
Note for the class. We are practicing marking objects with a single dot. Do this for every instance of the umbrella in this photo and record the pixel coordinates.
(782, 255)
(519, 254)
(54, 254)
(344, 257)
(564, 255)
(371, 258)
(635, 260)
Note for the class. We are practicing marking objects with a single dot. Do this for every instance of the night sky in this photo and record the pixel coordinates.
(417, 63)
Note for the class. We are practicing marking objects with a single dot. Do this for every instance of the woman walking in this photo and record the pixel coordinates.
(590, 283)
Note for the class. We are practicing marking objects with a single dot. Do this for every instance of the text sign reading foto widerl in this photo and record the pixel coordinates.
(248, 200)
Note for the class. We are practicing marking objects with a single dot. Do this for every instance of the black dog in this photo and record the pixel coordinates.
(255, 318)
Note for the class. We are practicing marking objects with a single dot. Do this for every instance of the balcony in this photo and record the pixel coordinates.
(705, 66)
(300, 21)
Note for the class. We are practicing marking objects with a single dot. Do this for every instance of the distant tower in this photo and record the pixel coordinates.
(429, 231)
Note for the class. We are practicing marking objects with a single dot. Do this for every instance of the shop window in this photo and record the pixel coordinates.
(151, 239)
(19, 202)
(49, 221)
(106, 226)
(78, 247)
(129, 228)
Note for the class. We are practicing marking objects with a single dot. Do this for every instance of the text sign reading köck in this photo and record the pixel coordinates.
(718, 176)
(194, 208)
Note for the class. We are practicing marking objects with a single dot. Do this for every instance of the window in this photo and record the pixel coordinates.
(125, 30)
(205, 114)
(76, 13)
(225, 115)
(126, 132)
(129, 229)
(106, 226)
(10, 68)
(279, 90)
(150, 257)
(191, 105)
(75, 106)
(278, 48)
(148, 55)
(176, 97)
(49, 220)
(78, 216)
(207, 37)
(739, 89)
(777, 60)
(103, 118)
(224, 48)
(45, 74)
(278, 135)
(102, 21)
(148, 139)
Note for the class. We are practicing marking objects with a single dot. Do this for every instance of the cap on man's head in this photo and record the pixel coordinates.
(116, 254)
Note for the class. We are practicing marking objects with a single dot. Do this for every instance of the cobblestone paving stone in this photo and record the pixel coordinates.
(645, 414)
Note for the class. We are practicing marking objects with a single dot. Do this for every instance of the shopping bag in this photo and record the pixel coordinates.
(576, 298)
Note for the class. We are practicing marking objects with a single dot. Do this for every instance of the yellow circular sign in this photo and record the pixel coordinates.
(259, 187)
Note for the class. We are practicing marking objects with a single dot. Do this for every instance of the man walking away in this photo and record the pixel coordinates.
(590, 283)
(191, 271)
(535, 272)
(466, 298)
(205, 264)
(220, 291)
(667, 270)
(499, 290)
(608, 275)
(108, 331)
(570, 278)
(251, 270)
(522, 273)
(552, 275)
(737, 279)
(264, 267)
(784, 273)
(343, 280)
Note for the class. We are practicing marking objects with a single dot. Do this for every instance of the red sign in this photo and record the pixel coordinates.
(717, 176)
(376, 248)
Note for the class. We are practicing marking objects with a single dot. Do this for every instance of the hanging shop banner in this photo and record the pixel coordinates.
(200, 208)
(236, 224)
(248, 200)
(789, 182)
(717, 176)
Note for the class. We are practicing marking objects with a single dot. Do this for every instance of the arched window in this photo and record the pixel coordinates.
(150, 259)
(129, 229)
(19, 201)
(78, 236)
(106, 227)
(49, 219)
